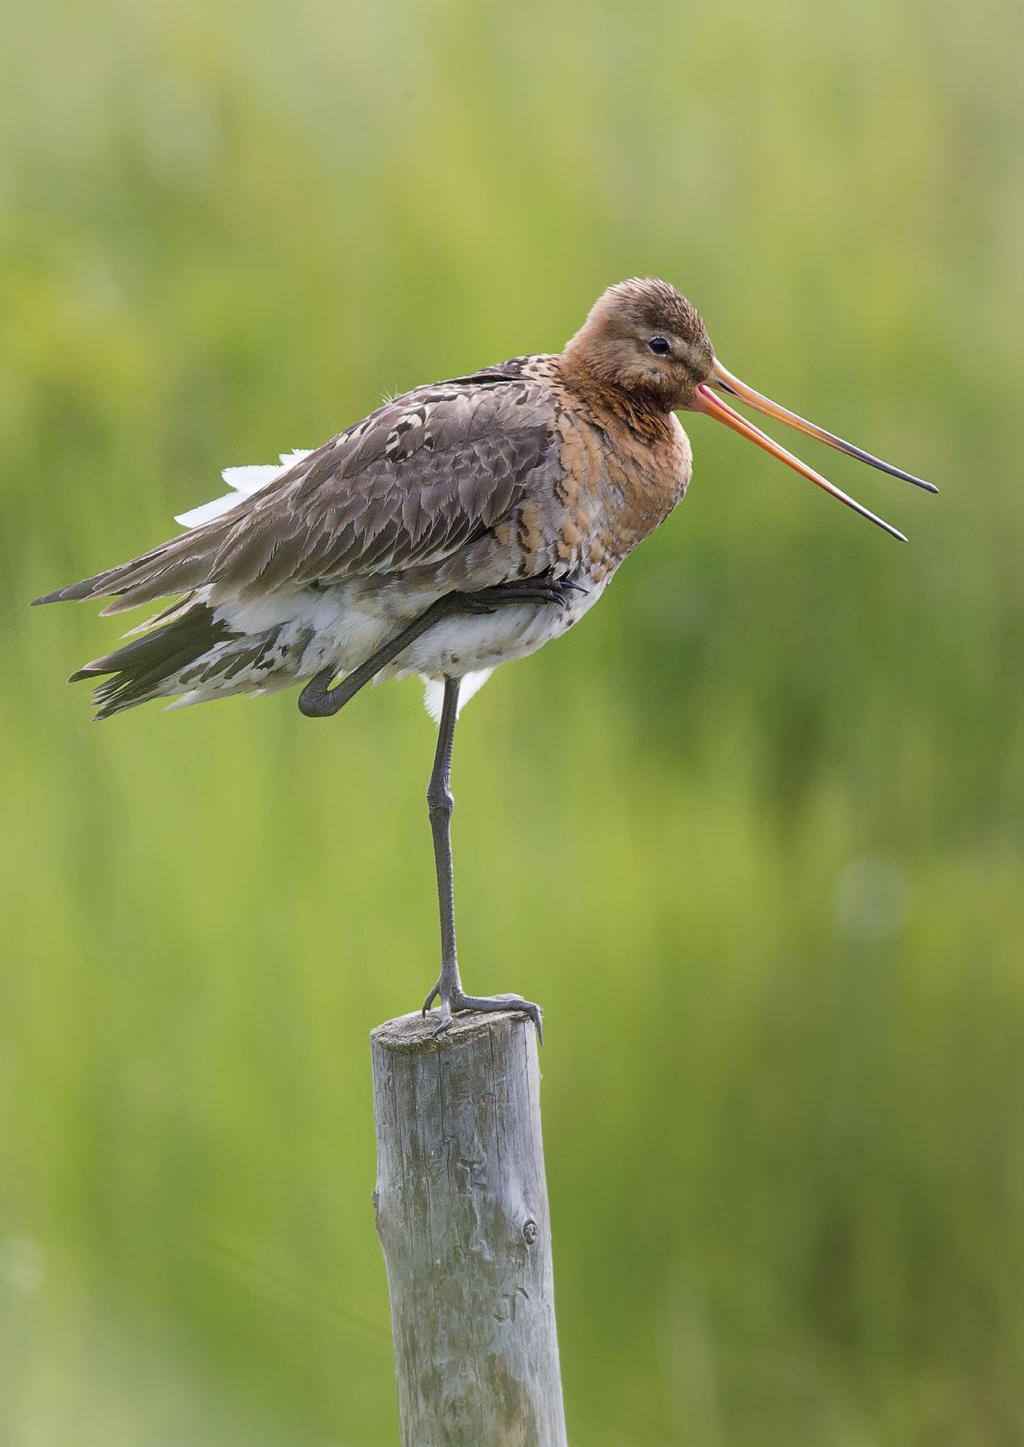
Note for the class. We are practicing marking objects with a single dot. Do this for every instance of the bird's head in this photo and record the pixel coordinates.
(643, 339)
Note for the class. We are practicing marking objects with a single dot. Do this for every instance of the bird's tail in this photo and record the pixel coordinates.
(149, 666)
(190, 654)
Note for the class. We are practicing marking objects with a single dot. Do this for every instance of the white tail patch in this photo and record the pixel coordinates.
(245, 481)
(250, 479)
(433, 696)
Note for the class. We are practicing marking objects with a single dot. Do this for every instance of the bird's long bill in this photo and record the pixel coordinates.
(705, 401)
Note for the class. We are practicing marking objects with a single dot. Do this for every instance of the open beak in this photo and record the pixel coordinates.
(705, 401)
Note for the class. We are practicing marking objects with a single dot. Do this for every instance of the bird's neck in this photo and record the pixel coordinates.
(644, 413)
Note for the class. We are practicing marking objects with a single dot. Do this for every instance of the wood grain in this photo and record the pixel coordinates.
(462, 1215)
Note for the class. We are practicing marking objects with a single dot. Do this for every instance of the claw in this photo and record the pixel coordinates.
(483, 1003)
(543, 589)
(546, 593)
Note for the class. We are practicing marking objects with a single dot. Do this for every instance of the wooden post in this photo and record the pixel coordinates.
(462, 1215)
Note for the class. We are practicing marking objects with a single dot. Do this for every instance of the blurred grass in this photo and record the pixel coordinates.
(753, 835)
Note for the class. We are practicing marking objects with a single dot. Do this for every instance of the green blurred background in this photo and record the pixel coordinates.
(752, 835)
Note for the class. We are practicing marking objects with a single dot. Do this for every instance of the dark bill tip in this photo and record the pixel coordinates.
(726, 382)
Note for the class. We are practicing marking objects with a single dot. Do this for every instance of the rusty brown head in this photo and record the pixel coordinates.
(644, 339)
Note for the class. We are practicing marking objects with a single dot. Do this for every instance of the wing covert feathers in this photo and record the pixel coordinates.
(408, 486)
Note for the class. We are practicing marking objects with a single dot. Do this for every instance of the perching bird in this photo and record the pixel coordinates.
(460, 525)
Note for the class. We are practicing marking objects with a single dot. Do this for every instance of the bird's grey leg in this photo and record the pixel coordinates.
(440, 804)
(319, 700)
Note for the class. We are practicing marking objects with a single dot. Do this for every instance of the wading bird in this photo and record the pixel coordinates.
(460, 525)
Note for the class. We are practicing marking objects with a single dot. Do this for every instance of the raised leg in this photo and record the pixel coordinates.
(441, 804)
(319, 700)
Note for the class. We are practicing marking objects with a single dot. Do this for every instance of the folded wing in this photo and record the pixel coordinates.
(409, 485)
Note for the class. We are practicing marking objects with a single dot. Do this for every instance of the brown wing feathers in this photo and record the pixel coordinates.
(176, 566)
(410, 484)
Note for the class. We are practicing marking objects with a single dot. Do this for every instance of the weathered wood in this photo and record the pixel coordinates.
(462, 1215)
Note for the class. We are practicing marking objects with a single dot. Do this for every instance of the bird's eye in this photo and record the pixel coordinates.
(659, 346)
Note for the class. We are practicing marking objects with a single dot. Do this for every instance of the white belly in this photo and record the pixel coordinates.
(474, 642)
(343, 626)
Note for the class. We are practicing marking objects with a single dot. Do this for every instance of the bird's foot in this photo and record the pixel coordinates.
(459, 1001)
(545, 588)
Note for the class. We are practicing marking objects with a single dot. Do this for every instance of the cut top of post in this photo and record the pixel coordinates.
(416, 1032)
